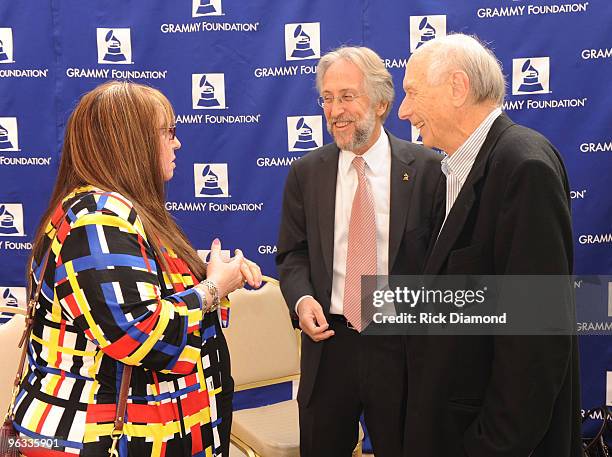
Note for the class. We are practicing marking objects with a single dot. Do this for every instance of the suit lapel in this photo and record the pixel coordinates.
(438, 214)
(465, 200)
(401, 183)
(326, 201)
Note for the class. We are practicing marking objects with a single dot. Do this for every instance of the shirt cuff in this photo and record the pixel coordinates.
(202, 294)
(299, 301)
(223, 309)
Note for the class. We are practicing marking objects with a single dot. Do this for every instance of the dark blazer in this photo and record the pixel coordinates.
(494, 396)
(306, 239)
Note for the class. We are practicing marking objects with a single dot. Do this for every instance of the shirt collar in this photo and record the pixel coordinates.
(460, 163)
(373, 157)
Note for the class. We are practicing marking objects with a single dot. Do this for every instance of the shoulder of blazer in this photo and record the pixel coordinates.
(314, 157)
(517, 143)
(408, 152)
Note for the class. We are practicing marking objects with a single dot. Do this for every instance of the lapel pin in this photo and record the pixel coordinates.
(406, 177)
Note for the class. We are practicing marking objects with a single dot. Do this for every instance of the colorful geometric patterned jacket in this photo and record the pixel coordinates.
(106, 301)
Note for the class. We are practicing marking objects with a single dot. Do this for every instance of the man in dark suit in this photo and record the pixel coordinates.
(361, 205)
(505, 210)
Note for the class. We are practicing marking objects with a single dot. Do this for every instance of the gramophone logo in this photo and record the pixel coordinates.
(426, 28)
(531, 76)
(6, 45)
(11, 296)
(114, 46)
(211, 180)
(11, 219)
(206, 8)
(304, 133)
(415, 135)
(208, 91)
(8, 134)
(302, 41)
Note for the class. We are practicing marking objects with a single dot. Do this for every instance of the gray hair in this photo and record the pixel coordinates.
(377, 80)
(466, 53)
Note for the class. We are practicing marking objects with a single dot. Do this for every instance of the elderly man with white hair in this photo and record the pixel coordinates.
(505, 210)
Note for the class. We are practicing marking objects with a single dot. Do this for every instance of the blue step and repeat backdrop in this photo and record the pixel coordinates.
(241, 78)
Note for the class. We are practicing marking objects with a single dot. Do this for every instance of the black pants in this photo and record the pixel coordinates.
(225, 397)
(356, 374)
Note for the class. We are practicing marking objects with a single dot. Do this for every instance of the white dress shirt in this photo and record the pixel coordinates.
(378, 172)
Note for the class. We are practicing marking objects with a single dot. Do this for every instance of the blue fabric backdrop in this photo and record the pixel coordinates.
(241, 78)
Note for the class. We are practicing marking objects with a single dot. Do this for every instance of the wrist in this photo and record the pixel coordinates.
(219, 284)
(210, 286)
(302, 299)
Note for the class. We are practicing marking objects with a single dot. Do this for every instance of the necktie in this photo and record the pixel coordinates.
(361, 255)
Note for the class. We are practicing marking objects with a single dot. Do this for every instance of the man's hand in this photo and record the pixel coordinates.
(251, 273)
(312, 320)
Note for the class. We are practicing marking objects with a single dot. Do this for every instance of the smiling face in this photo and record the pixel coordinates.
(428, 107)
(355, 126)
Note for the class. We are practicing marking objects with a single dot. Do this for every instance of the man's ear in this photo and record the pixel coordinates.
(460, 88)
(381, 108)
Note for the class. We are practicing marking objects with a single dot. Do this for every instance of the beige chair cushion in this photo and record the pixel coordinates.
(10, 333)
(272, 431)
(261, 339)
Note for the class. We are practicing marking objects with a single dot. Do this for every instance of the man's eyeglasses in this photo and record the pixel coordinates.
(328, 100)
(171, 130)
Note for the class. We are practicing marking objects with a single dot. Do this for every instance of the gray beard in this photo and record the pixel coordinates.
(363, 133)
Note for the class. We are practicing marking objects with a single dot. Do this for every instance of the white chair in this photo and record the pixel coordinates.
(265, 350)
(10, 334)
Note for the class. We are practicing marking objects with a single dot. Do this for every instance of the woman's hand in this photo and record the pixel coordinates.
(227, 275)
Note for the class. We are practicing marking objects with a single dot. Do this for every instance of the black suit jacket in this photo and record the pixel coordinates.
(306, 239)
(494, 396)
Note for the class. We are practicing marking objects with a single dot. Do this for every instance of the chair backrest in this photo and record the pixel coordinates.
(262, 341)
(10, 333)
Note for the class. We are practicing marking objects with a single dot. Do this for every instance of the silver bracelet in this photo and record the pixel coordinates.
(214, 292)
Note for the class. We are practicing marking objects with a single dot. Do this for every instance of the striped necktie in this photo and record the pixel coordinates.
(361, 255)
